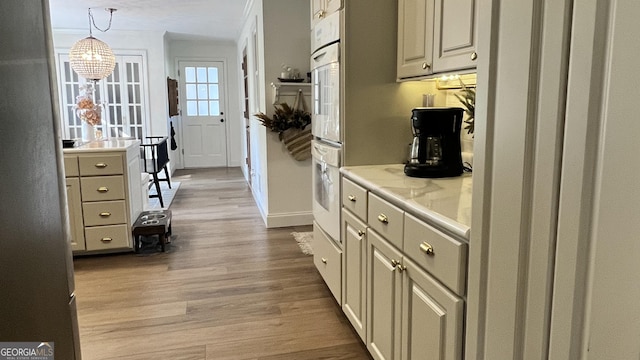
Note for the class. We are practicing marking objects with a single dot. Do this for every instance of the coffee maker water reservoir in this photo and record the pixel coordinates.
(435, 151)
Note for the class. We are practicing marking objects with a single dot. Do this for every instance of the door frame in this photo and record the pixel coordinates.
(225, 102)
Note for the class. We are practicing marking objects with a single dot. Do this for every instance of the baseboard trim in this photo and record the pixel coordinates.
(289, 219)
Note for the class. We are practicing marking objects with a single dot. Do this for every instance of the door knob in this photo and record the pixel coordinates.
(221, 120)
(221, 113)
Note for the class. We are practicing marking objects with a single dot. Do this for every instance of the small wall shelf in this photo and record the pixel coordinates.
(290, 89)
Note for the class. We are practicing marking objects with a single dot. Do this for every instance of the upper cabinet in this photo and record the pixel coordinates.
(436, 36)
(321, 8)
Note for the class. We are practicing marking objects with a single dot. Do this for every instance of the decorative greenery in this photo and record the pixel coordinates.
(285, 117)
(468, 100)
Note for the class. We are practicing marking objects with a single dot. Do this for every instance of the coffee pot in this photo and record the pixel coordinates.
(435, 150)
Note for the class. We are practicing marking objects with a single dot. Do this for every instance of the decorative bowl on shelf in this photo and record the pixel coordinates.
(291, 80)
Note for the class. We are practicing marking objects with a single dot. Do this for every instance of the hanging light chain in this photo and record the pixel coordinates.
(92, 20)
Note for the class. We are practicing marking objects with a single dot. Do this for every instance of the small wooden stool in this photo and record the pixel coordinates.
(152, 222)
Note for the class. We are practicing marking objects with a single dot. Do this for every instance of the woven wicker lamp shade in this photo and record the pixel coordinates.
(92, 58)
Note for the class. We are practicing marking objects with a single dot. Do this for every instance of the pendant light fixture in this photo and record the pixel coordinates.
(90, 57)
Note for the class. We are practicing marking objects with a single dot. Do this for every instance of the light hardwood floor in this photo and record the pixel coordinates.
(227, 288)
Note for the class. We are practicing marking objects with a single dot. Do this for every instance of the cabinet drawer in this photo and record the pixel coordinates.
(386, 219)
(107, 237)
(104, 164)
(328, 260)
(354, 198)
(104, 213)
(102, 188)
(70, 166)
(442, 256)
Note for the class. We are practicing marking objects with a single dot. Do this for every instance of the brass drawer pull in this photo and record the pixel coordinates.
(106, 239)
(474, 55)
(427, 248)
(383, 218)
(360, 232)
(352, 198)
(324, 261)
(103, 189)
(101, 165)
(105, 214)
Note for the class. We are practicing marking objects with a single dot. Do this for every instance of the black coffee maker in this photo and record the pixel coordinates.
(435, 151)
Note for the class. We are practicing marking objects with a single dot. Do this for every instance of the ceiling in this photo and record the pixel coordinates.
(182, 19)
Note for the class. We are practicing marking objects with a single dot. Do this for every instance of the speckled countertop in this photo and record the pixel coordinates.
(102, 145)
(444, 203)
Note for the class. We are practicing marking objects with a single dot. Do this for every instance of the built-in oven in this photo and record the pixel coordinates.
(326, 187)
(325, 124)
(325, 93)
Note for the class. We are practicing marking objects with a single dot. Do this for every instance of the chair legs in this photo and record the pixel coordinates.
(156, 182)
(168, 179)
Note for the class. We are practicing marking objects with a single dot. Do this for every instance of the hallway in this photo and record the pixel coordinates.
(227, 288)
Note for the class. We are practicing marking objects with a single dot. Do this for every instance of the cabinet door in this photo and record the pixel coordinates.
(354, 273)
(431, 318)
(74, 202)
(455, 35)
(415, 38)
(384, 283)
(317, 11)
(333, 6)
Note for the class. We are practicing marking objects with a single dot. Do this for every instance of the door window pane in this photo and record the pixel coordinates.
(202, 91)
(203, 108)
(191, 91)
(202, 74)
(214, 108)
(213, 74)
(190, 74)
(192, 108)
(213, 91)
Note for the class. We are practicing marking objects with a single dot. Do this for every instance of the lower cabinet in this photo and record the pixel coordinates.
(354, 285)
(74, 202)
(410, 314)
(327, 258)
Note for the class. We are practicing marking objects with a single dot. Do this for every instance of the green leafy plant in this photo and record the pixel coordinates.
(285, 117)
(468, 101)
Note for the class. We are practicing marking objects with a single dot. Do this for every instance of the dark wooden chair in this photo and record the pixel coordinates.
(154, 155)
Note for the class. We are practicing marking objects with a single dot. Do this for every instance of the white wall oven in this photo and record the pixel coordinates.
(327, 144)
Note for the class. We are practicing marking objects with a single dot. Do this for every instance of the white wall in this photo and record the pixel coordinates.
(204, 50)
(281, 185)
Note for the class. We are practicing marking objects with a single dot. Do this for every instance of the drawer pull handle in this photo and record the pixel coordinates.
(106, 239)
(352, 198)
(360, 232)
(105, 214)
(427, 248)
(383, 218)
(101, 165)
(324, 261)
(103, 189)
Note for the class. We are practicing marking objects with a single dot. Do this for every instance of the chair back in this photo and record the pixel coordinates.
(155, 154)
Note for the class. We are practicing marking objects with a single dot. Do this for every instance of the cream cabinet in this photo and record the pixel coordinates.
(104, 196)
(436, 36)
(74, 203)
(327, 257)
(407, 275)
(322, 8)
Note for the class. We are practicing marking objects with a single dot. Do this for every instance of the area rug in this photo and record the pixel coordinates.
(167, 195)
(304, 240)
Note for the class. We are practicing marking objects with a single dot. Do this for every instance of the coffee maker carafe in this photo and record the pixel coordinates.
(435, 151)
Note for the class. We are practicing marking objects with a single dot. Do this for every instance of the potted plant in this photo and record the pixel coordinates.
(290, 122)
(468, 101)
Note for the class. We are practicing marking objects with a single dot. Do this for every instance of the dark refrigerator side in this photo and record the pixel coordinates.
(36, 270)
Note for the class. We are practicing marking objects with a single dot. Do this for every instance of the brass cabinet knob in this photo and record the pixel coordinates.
(401, 267)
(105, 214)
(360, 232)
(321, 14)
(425, 65)
(352, 198)
(106, 239)
(101, 165)
(103, 189)
(426, 248)
(394, 262)
(383, 218)
(474, 55)
(324, 260)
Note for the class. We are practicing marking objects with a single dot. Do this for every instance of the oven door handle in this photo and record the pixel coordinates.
(319, 56)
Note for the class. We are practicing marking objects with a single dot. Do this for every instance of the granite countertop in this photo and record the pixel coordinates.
(444, 203)
(102, 145)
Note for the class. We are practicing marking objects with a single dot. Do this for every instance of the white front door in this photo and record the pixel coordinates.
(204, 135)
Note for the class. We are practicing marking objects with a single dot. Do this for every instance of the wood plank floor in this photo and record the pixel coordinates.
(227, 288)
